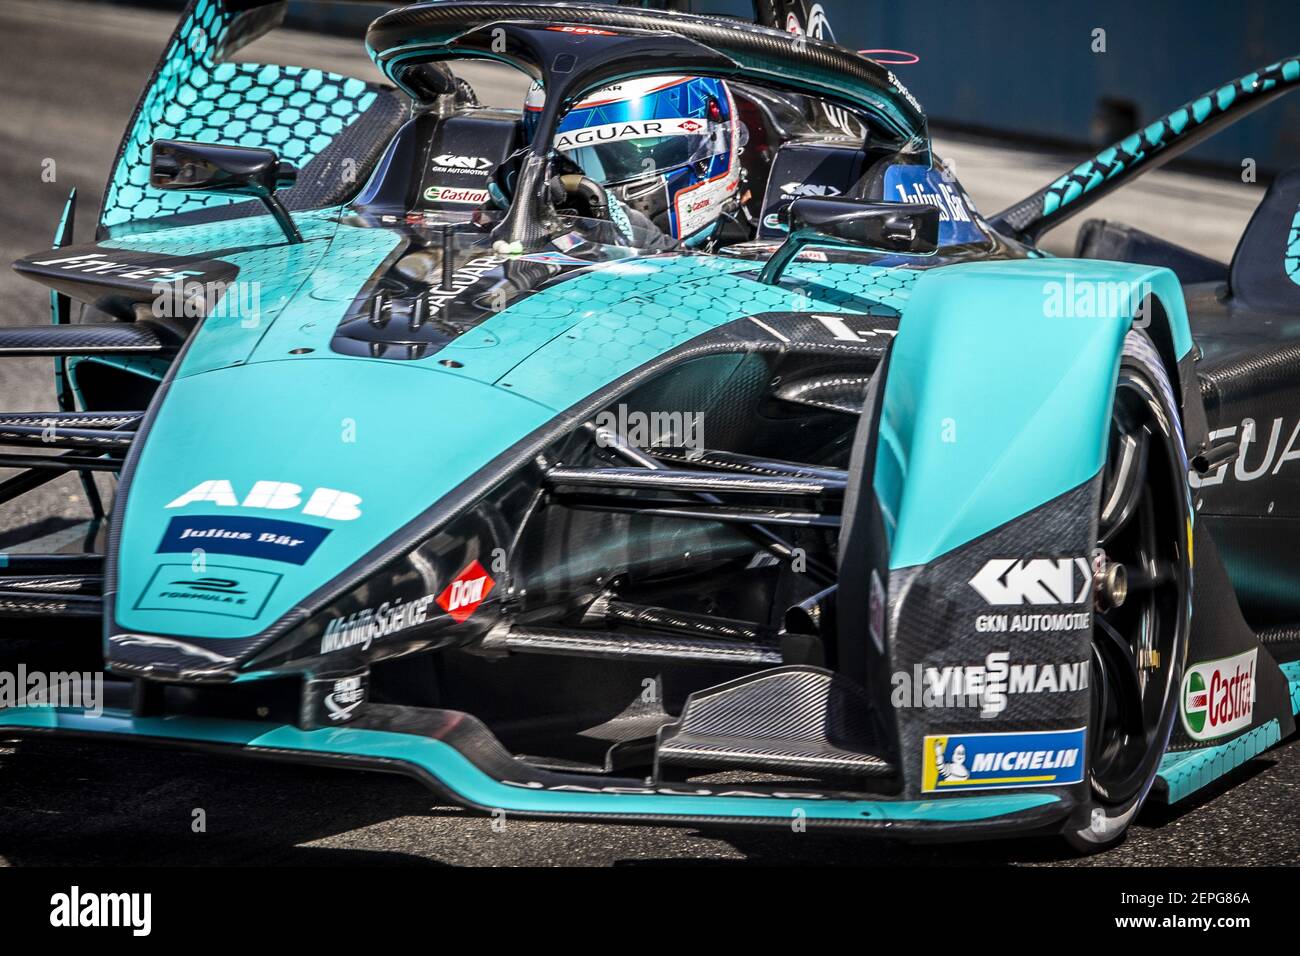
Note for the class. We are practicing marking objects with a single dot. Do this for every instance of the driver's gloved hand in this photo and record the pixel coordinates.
(641, 231)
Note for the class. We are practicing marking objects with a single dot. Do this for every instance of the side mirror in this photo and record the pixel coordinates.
(232, 170)
(888, 227)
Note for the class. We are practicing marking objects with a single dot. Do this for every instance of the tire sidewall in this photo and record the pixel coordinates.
(1097, 823)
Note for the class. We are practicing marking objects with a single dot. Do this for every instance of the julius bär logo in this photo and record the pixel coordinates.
(466, 592)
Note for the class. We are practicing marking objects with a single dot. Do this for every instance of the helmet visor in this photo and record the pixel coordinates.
(619, 152)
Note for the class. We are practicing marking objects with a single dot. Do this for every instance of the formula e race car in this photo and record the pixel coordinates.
(442, 444)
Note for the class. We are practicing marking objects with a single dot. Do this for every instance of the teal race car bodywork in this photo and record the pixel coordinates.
(381, 500)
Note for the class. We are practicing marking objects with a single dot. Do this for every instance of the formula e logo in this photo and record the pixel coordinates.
(232, 592)
(1036, 581)
(223, 586)
(466, 592)
(275, 496)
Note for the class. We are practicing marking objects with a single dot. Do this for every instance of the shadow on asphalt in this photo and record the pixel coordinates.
(71, 803)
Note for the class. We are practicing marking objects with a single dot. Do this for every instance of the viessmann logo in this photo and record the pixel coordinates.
(1219, 696)
(1004, 581)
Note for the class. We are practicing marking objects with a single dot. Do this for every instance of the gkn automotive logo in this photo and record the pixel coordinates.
(470, 163)
(1008, 581)
(451, 163)
(808, 189)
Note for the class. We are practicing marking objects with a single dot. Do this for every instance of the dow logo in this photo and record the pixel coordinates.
(466, 592)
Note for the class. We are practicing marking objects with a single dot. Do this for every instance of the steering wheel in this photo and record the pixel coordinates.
(570, 190)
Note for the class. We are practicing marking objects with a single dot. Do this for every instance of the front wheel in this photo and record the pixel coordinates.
(1143, 572)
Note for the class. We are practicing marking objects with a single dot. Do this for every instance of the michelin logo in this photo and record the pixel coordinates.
(1049, 758)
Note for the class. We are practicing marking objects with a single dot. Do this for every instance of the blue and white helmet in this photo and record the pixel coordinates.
(667, 146)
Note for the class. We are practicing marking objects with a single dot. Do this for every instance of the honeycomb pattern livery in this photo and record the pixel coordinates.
(630, 313)
(1186, 772)
(270, 273)
(314, 280)
(1142, 145)
(296, 111)
(212, 239)
(1292, 264)
(354, 256)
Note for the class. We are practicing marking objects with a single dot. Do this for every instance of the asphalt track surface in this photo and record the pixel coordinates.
(69, 77)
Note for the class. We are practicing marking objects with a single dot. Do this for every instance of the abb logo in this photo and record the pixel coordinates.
(275, 496)
(466, 592)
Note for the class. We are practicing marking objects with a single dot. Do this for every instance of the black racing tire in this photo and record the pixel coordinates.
(1139, 646)
(465, 95)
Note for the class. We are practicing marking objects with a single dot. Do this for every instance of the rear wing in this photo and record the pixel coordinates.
(1149, 148)
(332, 127)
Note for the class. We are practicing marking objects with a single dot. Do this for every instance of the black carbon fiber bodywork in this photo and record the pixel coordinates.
(822, 68)
(124, 338)
(116, 281)
(937, 619)
(800, 719)
(1249, 382)
(1220, 631)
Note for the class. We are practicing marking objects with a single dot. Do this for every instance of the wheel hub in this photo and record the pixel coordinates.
(1109, 583)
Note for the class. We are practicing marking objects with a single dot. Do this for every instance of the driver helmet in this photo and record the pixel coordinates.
(666, 146)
